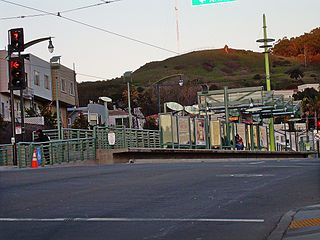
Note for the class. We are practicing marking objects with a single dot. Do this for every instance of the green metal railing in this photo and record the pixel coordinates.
(126, 137)
(79, 145)
(6, 155)
(66, 133)
(53, 152)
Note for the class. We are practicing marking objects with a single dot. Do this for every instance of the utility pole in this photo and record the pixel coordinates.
(177, 23)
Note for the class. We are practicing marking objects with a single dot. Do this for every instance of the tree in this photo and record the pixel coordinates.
(32, 112)
(306, 109)
(50, 118)
(81, 122)
(295, 73)
(309, 93)
(315, 109)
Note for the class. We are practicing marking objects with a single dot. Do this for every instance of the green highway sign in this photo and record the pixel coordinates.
(204, 2)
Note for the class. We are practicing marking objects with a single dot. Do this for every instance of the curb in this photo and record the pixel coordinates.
(280, 230)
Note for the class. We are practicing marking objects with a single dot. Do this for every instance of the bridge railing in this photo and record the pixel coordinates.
(53, 152)
(66, 133)
(125, 137)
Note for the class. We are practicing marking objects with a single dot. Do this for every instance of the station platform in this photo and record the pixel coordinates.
(132, 155)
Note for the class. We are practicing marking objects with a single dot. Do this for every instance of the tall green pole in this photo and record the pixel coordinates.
(129, 106)
(266, 55)
(226, 105)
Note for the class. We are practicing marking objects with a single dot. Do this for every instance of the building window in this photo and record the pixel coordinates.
(63, 85)
(26, 81)
(71, 89)
(36, 78)
(46, 82)
(2, 110)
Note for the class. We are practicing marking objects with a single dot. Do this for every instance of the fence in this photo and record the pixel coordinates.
(55, 151)
(66, 133)
(78, 144)
(126, 137)
(6, 158)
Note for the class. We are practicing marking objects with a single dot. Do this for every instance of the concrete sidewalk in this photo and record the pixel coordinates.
(302, 224)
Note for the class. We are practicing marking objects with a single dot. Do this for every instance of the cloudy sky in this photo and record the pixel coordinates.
(106, 40)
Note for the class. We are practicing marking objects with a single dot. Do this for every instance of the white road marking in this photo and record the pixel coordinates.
(245, 175)
(129, 220)
(253, 163)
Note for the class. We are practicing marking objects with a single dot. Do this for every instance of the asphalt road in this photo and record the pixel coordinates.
(155, 201)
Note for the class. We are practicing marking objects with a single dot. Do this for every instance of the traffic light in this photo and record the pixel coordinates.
(16, 40)
(16, 73)
(318, 124)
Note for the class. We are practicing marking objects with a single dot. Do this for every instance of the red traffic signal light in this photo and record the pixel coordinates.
(16, 40)
(318, 123)
(17, 74)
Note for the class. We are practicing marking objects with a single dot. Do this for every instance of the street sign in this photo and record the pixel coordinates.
(204, 2)
(39, 155)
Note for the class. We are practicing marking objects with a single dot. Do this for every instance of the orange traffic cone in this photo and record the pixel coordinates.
(34, 163)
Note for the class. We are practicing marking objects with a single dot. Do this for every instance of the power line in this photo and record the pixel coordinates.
(61, 70)
(91, 26)
(65, 11)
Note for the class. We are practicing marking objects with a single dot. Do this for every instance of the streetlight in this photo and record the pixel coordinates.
(106, 100)
(50, 46)
(128, 78)
(162, 80)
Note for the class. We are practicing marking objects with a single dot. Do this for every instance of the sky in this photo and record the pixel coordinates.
(107, 40)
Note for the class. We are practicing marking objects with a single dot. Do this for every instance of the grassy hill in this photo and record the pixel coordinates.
(217, 68)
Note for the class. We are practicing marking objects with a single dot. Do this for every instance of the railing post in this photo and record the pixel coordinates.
(67, 151)
(19, 154)
(81, 150)
(51, 150)
(94, 148)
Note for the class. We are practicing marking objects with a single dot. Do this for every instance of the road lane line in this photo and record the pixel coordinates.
(129, 220)
(254, 163)
(245, 175)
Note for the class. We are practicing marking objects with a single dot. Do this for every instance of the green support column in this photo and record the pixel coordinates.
(266, 55)
(226, 103)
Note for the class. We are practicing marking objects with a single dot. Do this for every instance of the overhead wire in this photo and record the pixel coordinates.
(91, 26)
(77, 73)
(65, 11)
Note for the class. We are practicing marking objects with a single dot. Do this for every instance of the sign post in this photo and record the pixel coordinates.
(205, 2)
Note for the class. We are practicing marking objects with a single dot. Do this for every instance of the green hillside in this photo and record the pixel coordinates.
(217, 68)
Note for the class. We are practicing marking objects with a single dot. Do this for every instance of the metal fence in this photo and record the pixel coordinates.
(53, 152)
(6, 158)
(79, 145)
(66, 133)
(125, 137)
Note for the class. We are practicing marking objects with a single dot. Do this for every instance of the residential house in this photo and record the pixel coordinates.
(95, 114)
(40, 87)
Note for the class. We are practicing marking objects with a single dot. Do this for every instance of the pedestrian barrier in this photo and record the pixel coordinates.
(6, 155)
(53, 152)
(66, 133)
(126, 137)
(79, 144)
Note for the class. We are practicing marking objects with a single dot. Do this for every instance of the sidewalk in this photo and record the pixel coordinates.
(303, 224)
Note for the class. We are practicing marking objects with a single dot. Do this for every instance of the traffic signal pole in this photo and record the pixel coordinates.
(16, 75)
(13, 122)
